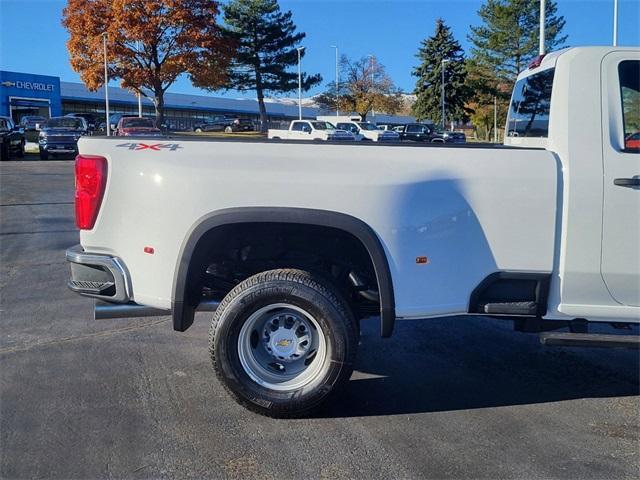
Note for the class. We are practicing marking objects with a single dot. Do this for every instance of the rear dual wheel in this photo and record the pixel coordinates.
(282, 341)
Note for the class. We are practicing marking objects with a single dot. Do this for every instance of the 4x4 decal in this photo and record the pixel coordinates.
(151, 146)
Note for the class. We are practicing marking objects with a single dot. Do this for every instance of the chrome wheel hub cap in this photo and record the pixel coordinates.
(287, 337)
(282, 347)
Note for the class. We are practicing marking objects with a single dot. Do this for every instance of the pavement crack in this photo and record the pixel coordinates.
(106, 333)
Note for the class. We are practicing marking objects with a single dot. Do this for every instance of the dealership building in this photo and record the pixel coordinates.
(33, 94)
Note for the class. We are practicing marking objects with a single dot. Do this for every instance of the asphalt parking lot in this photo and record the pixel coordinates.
(131, 398)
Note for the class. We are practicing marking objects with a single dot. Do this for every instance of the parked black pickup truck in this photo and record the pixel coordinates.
(224, 123)
(60, 135)
(428, 132)
(11, 139)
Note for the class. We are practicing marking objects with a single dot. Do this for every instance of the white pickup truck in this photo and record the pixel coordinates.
(310, 130)
(292, 244)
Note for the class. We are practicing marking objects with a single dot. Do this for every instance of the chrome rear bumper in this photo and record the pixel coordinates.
(105, 278)
(98, 276)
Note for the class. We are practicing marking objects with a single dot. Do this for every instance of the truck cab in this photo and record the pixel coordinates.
(582, 104)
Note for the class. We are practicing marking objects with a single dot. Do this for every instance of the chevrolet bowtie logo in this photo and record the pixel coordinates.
(8, 84)
(285, 342)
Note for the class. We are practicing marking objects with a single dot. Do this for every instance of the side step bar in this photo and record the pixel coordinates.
(567, 339)
(106, 310)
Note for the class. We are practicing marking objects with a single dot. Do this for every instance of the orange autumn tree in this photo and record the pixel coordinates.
(150, 43)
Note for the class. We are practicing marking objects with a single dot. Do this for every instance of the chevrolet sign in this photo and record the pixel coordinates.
(43, 87)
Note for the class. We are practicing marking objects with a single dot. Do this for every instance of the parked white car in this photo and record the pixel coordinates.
(293, 244)
(369, 131)
(310, 130)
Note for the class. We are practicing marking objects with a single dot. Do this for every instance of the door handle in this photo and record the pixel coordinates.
(627, 182)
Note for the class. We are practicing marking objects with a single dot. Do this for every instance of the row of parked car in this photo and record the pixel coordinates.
(353, 129)
(60, 135)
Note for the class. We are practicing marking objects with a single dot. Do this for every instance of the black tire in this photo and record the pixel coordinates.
(4, 151)
(305, 291)
(44, 155)
(20, 152)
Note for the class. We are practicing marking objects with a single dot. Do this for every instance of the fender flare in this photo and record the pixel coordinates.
(183, 311)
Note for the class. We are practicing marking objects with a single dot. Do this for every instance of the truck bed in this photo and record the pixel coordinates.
(467, 208)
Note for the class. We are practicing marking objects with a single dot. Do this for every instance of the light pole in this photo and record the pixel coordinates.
(542, 22)
(444, 60)
(337, 82)
(299, 49)
(495, 119)
(106, 82)
(371, 65)
(139, 96)
(615, 23)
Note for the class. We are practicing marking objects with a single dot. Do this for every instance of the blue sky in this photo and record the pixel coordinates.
(32, 39)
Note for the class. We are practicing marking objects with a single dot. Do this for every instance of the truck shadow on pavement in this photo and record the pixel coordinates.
(460, 363)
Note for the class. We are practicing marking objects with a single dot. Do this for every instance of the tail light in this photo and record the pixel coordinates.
(91, 177)
(536, 62)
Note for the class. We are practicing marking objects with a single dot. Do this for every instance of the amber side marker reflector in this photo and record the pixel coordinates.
(149, 250)
(422, 260)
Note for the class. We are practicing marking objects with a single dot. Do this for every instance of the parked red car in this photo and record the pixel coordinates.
(137, 126)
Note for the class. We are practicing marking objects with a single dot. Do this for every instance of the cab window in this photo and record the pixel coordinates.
(415, 129)
(301, 127)
(629, 73)
(531, 105)
(348, 127)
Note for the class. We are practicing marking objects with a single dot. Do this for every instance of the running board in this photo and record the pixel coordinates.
(106, 310)
(567, 339)
(511, 308)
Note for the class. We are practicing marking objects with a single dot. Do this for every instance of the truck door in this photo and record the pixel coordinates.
(620, 261)
(300, 130)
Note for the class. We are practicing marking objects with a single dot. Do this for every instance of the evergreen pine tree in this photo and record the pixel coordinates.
(508, 38)
(433, 50)
(266, 42)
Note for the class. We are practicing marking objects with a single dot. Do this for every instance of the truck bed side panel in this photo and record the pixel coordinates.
(471, 212)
